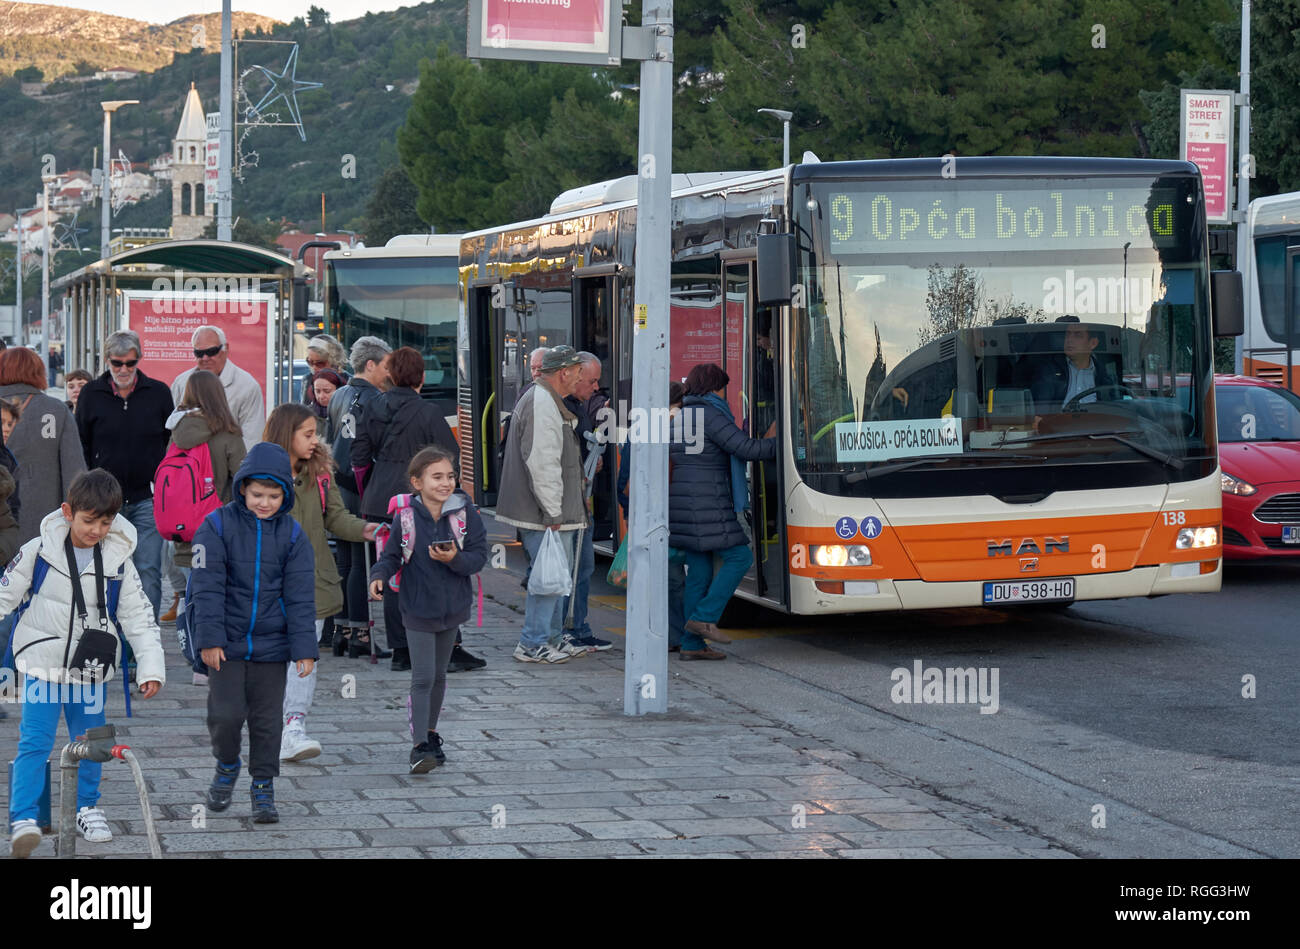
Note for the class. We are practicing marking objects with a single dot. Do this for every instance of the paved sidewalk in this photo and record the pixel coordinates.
(541, 762)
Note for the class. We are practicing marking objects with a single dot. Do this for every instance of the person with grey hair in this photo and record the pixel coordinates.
(243, 394)
(44, 441)
(586, 403)
(323, 352)
(122, 417)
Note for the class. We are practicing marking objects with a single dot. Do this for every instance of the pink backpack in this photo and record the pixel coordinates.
(183, 492)
(401, 504)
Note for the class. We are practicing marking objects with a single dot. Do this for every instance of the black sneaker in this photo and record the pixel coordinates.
(263, 795)
(423, 760)
(401, 659)
(462, 661)
(434, 745)
(222, 787)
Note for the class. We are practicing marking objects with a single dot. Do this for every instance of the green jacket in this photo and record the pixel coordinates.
(315, 521)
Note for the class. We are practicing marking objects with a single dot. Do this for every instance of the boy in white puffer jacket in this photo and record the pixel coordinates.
(66, 647)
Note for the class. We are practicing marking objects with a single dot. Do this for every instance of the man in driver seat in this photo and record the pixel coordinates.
(1058, 379)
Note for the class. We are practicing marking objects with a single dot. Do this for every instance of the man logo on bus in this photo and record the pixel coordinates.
(1051, 545)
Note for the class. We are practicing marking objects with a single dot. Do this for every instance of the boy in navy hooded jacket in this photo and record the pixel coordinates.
(252, 608)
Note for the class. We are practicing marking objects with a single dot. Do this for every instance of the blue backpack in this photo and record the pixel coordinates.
(113, 593)
(192, 655)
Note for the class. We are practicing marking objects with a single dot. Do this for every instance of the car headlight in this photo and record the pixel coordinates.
(837, 555)
(1194, 538)
(1231, 485)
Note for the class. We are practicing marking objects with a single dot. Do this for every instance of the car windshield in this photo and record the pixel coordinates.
(1257, 414)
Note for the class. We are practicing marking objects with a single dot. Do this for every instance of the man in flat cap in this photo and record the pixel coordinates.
(541, 490)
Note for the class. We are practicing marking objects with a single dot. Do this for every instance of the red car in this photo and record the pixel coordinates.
(1259, 456)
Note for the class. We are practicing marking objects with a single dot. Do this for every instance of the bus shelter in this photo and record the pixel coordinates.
(165, 287)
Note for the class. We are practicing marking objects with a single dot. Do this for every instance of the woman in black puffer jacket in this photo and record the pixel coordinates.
(707, 493)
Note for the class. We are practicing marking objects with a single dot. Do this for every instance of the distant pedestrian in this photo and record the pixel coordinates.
(122, 417)
(396, 426)
(585, 403)
(43, 439)
(58, 637)
(445, 546)
(243, 394)
(541, 490)
(73, 383)
(324, 383)
(319, 508)
(324, 352)
(253, 596)
(708, 492)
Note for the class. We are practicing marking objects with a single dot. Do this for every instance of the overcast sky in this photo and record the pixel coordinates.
(164, 11)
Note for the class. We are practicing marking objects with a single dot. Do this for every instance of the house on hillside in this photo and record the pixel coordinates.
(117, 73)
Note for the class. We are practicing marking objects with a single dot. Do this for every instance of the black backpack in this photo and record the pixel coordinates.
(349, 421)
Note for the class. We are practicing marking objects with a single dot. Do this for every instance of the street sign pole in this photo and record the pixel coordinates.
(645, 665)
(227, 137)
(1244, 172)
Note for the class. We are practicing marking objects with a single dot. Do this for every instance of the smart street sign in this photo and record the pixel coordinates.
(584, 32)
(1206, 139)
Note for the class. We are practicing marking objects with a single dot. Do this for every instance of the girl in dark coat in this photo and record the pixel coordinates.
(707, 493)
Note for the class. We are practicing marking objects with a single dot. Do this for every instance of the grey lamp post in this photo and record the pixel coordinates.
(785, 117)
(109, 108)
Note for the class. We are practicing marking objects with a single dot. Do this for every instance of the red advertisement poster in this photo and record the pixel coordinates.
(558, 24)
(165, 323)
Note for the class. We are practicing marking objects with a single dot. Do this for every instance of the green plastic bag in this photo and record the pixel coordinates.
(617, 575)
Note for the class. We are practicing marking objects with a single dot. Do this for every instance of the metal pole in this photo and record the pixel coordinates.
(785, 144)
(45, 278)
(645, 671)
(227, 137)
(18, 326)
(105, 193)
(1245, 262)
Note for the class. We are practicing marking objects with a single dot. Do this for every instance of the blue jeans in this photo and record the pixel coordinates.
(676, 596)
(148, 549)
(586, 567)
(36, 740)
(707, 590)
(543, 615)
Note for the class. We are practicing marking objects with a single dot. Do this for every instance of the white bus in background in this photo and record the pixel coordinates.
(1270, 346)
(406, 293)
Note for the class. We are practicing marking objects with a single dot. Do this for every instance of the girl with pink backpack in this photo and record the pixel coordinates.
(435, 544)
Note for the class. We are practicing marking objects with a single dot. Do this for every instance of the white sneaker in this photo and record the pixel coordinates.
(93, 825)
(24, 837)
(571, 647)
(199, 679)
(295, 745)
(543, 653)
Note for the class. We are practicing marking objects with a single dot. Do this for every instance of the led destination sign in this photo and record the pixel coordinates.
(1001, 219)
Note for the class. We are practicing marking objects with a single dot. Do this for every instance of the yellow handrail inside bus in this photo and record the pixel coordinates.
(483, 430)
(831, 424)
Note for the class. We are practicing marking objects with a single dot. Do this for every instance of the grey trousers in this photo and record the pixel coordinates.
(430, 653)
(250, 692)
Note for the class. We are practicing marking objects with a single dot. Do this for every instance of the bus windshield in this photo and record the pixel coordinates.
(975, 327)
(406, 301)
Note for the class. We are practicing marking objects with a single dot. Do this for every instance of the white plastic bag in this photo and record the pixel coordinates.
(550, 573)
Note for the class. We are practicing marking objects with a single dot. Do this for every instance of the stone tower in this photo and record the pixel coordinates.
(191, 207)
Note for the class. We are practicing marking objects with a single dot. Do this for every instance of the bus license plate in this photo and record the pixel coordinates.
(1029, 591)
(1291, 535)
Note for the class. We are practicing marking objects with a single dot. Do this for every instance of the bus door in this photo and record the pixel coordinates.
(486, 317)
(756, 330)
(593, 332)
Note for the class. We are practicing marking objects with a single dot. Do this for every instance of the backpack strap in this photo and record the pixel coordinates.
(39, 570)
(406, 517)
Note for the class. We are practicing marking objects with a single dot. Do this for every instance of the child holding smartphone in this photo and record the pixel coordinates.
(448, 547)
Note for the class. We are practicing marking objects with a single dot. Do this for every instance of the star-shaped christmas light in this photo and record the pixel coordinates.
(285, 85)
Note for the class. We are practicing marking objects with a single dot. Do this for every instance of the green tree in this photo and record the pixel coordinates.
(29, 74)
(391, 210)
(317, 16)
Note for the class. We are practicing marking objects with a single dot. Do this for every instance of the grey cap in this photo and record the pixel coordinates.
(560, 357)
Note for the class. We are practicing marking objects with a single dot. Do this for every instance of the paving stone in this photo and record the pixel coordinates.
(623, 829)
(790, 855)
(263, 839)
(891, 853)
(407, 837)
(373, 853)
(796, 840)
(876, 805)
(582, 848)
(699, 796)
(989, 852)
(721, 827)
(595, 799)
(481, 852)
(515, 834)
(692, 845)
(916, 838)
(909, 821)
(647, 812)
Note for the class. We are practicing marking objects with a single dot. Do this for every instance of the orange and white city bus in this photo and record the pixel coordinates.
(1271, 342)
(991, 377)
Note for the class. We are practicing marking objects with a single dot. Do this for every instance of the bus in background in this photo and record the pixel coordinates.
(1270, 347)
(404, 293)
(991, 377)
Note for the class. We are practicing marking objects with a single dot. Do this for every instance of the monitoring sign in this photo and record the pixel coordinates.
(586, 32)
(1206, 138)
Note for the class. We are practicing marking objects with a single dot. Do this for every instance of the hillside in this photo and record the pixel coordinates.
(55, 39)
(369, 67)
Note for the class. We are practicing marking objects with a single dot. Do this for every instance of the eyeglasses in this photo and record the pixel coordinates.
(204, 353)
(120, 363)
(317, 363)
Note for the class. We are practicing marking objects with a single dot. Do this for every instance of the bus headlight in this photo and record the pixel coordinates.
(837, 555)
(1194, 538)
(1231, 485)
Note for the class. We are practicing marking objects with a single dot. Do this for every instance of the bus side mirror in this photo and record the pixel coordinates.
(776, 269)
(1226, 302)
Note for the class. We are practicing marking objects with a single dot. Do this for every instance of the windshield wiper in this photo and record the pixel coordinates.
(896, 467)
(1117, 435)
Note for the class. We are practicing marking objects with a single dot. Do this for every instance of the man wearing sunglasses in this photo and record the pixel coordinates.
(122, 419)
(247, 404)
